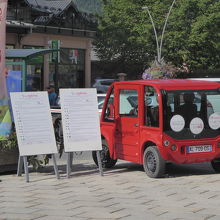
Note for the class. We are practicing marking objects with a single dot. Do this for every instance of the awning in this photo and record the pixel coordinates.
(26, 53)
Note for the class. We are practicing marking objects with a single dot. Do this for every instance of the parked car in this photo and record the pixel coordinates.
(139, 124)
(102, 85)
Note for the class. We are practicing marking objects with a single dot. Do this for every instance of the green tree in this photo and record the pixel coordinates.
(121, 38)
(125, 32)
(193, 34)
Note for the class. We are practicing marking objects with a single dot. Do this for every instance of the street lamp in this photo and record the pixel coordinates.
(159, 47)
(155, 31)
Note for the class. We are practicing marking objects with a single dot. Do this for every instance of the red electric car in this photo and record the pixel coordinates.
(152, 122)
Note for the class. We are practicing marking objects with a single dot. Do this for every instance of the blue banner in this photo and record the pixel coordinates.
(14, 81)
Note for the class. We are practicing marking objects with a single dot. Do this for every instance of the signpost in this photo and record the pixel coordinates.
(80, 118)
(34, 127)
(55, 57)
(55, 44)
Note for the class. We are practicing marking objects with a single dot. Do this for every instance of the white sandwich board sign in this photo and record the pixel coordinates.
(80, 119)
(33, 123)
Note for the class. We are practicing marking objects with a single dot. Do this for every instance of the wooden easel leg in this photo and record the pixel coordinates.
(26, 168)
(99, 162)
(55, 167)
(20, 166)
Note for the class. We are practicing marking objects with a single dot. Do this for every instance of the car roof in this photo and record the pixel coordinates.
(173, 84)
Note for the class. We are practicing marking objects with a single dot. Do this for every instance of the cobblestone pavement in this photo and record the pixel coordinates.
(125, 192)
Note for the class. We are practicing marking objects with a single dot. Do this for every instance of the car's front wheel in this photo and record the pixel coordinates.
(107, 161)
(153, 163)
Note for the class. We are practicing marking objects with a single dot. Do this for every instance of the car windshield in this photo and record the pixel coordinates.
(191, 114)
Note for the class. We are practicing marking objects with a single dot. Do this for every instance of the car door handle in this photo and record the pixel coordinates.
(136, 125)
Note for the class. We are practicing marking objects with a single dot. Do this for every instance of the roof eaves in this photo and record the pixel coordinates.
(71, 3)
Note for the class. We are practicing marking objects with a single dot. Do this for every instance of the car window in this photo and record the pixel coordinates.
(109, 111)
(151, 107)
(128, 103)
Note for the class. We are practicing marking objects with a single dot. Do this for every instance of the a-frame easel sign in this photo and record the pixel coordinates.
(34, 127)
(81, 124)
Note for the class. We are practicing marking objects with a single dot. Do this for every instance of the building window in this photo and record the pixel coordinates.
(71, 68)
(35, 74)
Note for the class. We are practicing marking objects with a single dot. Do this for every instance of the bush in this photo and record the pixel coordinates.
(9, 142)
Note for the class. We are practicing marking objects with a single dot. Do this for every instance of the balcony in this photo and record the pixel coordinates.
(19, 14)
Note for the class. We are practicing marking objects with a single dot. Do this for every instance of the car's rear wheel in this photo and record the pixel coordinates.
(153, 163)
(107, 161)
(216, 165)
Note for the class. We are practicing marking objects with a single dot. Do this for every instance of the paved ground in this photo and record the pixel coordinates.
(125, 192)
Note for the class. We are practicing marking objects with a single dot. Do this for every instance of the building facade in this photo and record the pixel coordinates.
(37, 24)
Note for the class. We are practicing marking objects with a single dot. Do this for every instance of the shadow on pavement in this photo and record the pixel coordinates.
(82, 169)
(177, 170)
(172, 170)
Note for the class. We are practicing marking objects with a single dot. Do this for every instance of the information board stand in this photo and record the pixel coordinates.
(34, 127)
(99, 162)
(81, 125)
(22, 162)
(20, 166)
(26, 169)
(70, 162)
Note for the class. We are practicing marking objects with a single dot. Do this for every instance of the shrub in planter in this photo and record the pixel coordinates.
(9, 153)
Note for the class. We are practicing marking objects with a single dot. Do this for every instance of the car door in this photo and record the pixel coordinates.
(127, 123)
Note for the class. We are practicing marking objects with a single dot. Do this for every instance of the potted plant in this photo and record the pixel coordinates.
(9, 155)
(9, 152)
(160, 71)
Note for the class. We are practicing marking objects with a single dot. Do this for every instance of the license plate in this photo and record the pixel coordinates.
(200, 148)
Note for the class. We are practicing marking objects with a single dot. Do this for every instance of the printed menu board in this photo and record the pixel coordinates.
(33, 123)
(80, 119)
